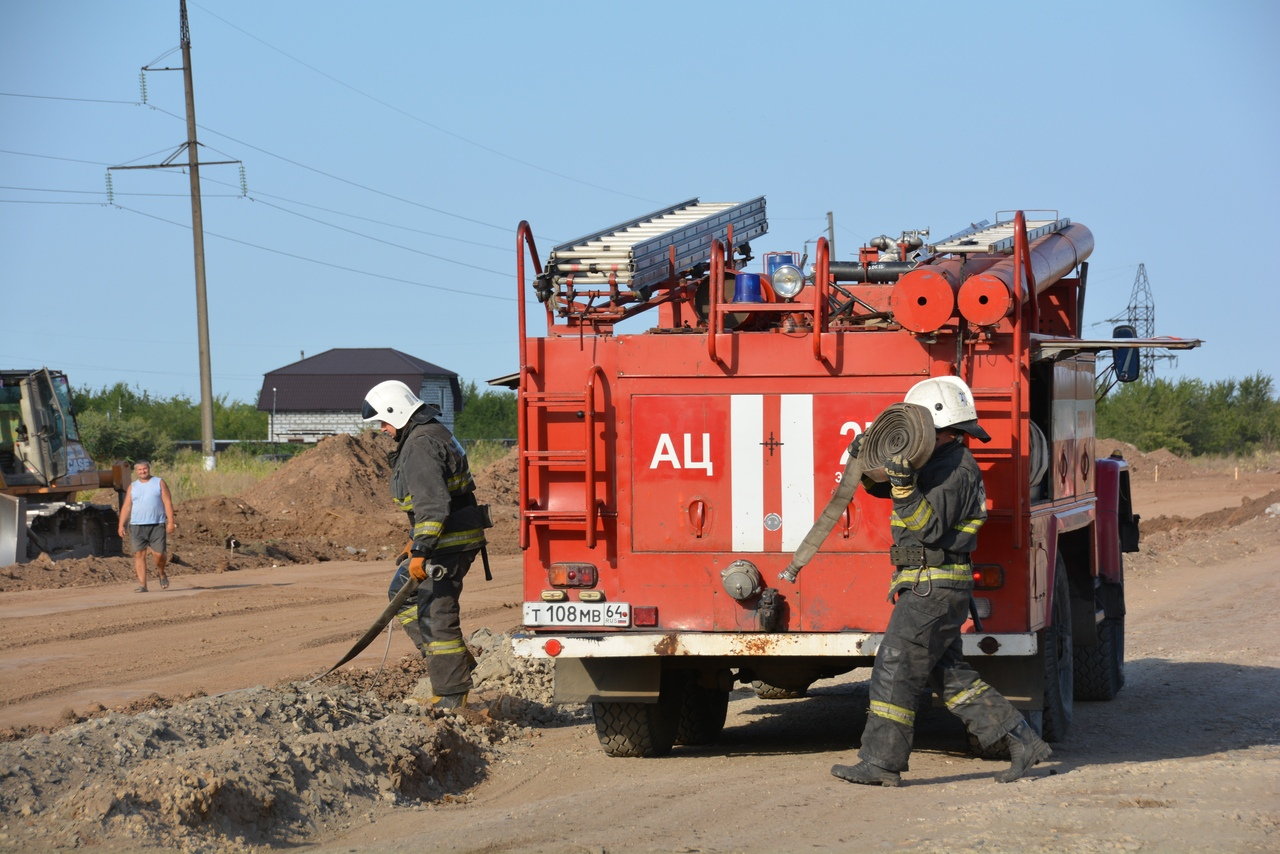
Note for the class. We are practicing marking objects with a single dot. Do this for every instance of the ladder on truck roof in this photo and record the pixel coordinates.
(995, 239)
(636, 255)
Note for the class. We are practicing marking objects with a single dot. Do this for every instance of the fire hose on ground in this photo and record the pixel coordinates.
(902, 428)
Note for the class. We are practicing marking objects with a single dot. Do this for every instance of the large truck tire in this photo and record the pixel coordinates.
(702, 714)
(765, 691)
(1059, 659)
(1099, 669)
(641, 730)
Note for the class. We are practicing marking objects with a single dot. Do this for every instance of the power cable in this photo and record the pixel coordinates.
(253, 197)
(337, 266)
(59, 98)
(369, 236)
(420, 120)
(41, 202)
(51, 157)
(102, 193)
(334, 177)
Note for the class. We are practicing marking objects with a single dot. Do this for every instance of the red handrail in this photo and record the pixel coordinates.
(524, 234)
(591, 507)
(714, 284)
(1021, 268)
(821, 281)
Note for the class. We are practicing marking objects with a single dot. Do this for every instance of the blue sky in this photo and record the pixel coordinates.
(390, 150)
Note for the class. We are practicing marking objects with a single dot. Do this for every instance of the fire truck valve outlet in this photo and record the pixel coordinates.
(903, 428)
(741, 580)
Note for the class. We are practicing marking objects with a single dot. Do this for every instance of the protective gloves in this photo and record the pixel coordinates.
(404, 553)
(901, 473)
(420, 568)
(855, 447)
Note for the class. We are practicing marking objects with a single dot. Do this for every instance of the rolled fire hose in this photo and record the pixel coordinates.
(903, 428)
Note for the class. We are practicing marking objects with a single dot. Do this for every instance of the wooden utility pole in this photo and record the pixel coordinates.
(197, 232)
(197, 237)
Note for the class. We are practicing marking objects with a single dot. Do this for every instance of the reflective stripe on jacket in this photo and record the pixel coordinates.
(431, 481)
(943, 513)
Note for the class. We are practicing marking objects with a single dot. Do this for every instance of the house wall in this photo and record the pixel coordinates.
(314, 426)
(439, 391)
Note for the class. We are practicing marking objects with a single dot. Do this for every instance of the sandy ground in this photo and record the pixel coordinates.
(1185, 759)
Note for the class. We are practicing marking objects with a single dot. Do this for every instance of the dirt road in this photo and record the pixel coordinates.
(1186, 759)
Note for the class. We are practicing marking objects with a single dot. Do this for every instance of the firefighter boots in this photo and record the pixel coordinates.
(867, 774)
(449, 702)
(1025, 749)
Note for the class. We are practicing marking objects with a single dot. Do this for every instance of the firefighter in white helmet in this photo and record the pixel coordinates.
(431, 481)
(937, 512)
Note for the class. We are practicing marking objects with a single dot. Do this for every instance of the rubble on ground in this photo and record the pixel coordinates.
(331, 502)
(269, 766)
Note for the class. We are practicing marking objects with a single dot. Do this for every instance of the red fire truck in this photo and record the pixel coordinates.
(668, 474)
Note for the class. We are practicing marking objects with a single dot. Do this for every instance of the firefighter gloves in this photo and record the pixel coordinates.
(421, 570)
(855, 447)
(405, 554)
(900, 471)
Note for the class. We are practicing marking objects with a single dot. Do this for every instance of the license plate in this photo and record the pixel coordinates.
(590, 614)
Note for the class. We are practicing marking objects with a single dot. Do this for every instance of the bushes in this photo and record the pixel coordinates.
(1193, 417)
(118, 422)
(119, 438)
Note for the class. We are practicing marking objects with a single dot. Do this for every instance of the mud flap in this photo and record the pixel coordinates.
(613, 680)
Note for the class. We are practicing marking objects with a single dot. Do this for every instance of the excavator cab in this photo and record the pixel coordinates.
(43, 465)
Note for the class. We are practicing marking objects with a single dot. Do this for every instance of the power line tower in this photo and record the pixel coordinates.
(1140, 313)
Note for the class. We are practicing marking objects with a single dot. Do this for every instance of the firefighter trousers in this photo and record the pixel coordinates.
(921, 646)
(433, 621)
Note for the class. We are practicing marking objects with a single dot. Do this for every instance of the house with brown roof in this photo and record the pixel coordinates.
(321, 395)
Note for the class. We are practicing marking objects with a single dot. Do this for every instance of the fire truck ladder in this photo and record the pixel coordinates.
(638, 254)
(581, 461)
(997, 239)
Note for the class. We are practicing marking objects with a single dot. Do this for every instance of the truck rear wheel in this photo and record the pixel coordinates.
(765, 691)
(1100, 669)
(1059, 659)
(702, 714)
(641, 729)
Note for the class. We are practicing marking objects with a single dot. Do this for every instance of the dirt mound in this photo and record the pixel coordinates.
(498, 485)
(1230, 517)
(267, 766)
(1162, 464)
(331, 502)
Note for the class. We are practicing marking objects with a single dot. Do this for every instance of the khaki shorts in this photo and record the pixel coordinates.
(148, 536)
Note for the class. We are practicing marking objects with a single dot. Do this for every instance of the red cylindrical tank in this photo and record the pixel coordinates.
(986, 298)
(925, 298)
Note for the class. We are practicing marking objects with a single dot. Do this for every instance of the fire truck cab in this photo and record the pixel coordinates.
(667, 475)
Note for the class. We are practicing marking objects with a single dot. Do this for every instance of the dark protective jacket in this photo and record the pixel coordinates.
(941, 515)
(431, 481)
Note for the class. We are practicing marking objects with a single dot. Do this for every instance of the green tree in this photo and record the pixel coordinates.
(1193, 417)
(488, 414)
(130, 438)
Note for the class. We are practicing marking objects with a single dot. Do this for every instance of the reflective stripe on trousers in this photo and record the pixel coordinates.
(437, 631)
(921, 646)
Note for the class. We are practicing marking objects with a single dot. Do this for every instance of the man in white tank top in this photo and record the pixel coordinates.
(148, 511)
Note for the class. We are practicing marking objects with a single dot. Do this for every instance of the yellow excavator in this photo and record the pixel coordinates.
(43, 466)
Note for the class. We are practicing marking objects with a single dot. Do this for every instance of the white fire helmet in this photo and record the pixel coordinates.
(950, 402)
(391, 401)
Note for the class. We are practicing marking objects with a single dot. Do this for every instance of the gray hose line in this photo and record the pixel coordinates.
(903, 428)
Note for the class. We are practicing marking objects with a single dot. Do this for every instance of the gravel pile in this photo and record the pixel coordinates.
(267, 766)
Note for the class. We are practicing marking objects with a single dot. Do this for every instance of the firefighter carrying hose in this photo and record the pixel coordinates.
(431, 481)
(937, 512)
